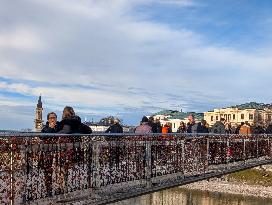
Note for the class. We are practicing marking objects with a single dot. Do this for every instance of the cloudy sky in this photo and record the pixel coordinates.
(131, 57)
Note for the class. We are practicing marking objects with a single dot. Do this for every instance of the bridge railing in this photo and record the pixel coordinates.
(36, 166)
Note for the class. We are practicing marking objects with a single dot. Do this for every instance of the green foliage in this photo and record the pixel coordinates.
(252, 105)
(180, 115)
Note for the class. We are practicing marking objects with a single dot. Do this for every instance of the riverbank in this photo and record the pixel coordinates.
(248, 183)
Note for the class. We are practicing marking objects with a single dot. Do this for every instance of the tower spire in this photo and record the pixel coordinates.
(39, 104)
(38, 118)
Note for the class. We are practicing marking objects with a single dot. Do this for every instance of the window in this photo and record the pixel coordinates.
(216, 118)
(242, 116)
(229, 117)
(211, 118)
(269, 118)
(233, 116)
(251, 116)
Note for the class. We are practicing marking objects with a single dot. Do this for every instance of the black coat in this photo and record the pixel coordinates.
(269, 129)
(74, 125)
(203, 129)
(47, 129)
(115, 128)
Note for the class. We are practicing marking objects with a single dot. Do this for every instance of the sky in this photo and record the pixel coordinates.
(130, 58)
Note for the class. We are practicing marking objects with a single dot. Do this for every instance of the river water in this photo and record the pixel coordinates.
(180, 196)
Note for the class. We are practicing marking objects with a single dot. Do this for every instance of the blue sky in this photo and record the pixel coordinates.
(128, 58)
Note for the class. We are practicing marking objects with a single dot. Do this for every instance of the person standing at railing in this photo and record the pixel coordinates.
(245, 129)
(182, 128)
(71, 158)
(144, 127)
(71, 123)
(155, 125)
(52, 125)
(115, 127)
(166, 128)
(115, 150)
(46, 160)
(192, 126)
(258, 129)
(269, 129)
(219, 127)
(204, 127)
(158, 126)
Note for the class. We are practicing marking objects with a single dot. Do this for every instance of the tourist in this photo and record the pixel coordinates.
(144, 127)
(228, 128)
(158, 126)
(71, 123)
(245, 129)
(192, 126)
(219, 127)
(182, 128)
(52, 125)
(204, 127)
(269, 129)
(152, 124)
(115, 127)
(167, 128)
(258, 129)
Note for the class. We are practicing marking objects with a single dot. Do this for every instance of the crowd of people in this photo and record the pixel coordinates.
(71, 123)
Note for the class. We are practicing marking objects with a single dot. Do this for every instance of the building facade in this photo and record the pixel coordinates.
(236, 116)
(38, 116)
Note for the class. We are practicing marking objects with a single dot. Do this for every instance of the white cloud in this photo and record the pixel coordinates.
(20, 39)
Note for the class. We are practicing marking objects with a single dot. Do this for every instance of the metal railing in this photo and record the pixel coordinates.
(35, 167)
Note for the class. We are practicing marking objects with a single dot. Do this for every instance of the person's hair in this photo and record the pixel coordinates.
(51, 113)
(192, 115)
(144, 119)
(116, 120)
(68, 112)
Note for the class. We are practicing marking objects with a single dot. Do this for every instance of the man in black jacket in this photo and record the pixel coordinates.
(115, 127)
(52, 125)
(115, 150)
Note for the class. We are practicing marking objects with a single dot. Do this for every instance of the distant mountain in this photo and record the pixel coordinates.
(253, 105)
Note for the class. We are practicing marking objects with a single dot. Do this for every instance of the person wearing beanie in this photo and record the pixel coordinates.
(144, 127)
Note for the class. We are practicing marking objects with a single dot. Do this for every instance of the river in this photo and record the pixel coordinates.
(180, 196)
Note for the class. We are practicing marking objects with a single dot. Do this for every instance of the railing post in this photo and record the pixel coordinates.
(96, 164)
(244, 149)
(257, 144)
(269, 147)
(148, 167)
(183, 157)
(208, 152)
(11, 173)
(228, 151)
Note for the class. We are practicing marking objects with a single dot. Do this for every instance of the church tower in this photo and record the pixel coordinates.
(38, 118)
